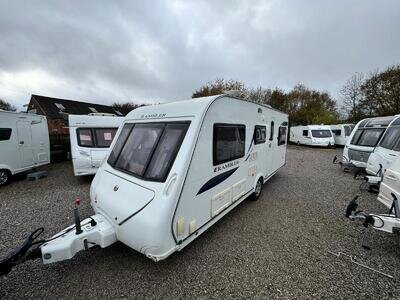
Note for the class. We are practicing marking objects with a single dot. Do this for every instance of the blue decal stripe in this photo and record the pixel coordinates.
(216, 180)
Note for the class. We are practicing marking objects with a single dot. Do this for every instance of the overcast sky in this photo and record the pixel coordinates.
(151, 51)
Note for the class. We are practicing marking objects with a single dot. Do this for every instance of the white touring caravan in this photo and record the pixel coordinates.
(24, 143)
(341, 132)
(91, 137)
(312, 135)
(174, 170)
(388, 149)
(363, 140)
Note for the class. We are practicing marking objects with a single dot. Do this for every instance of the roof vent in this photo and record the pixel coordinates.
(93, 110)
(233, 93)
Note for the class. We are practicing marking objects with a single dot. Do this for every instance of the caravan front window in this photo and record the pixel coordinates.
(391, 136)
(323, 133)
(138, 148)
(104, 136)
(85, 138)
(95, 137)
(148, 150)
(370, 137)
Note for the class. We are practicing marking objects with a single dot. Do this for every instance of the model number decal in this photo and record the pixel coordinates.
(226, 166)
(153, 116)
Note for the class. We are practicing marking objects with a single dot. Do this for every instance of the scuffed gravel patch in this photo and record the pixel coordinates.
(273, 248)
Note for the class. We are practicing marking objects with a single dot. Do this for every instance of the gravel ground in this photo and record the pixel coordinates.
(273, 248)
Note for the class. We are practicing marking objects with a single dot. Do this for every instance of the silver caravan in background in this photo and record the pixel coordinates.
(91, 137)
(24, 143)
(363, 140)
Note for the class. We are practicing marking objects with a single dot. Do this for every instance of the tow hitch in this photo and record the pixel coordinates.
(347, 165)
(93, 231)
(385, 222)
(372, 182)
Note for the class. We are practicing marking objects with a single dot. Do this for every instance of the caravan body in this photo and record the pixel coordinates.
(24, 143)
(388, 149)
(91, 137)
(390, 184)
(341, 132)
(177, 168)
(312, 135)
(363, 140)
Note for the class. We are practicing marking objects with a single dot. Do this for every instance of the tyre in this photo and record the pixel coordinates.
(298, 143)
(257, 190)
(4, 177)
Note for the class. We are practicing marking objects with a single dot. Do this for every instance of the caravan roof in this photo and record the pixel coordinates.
(194, 107)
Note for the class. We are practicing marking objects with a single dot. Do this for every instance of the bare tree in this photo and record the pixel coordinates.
(4, 105)
(351, 94)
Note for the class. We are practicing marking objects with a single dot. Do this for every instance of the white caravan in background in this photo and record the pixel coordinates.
(341, 132)
(24, 143)
(174, 170)
(363, 140)
(388, 149)
(312, 135)
(91, 137)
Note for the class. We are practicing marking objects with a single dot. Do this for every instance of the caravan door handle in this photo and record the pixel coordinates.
(21, 142)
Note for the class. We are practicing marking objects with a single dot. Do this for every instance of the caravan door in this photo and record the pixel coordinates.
(271, 148)
(25, 144)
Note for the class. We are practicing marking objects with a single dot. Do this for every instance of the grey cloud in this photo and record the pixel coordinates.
(160, 51)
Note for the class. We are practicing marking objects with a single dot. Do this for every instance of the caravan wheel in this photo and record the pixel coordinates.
(258, 189)
(4, 177)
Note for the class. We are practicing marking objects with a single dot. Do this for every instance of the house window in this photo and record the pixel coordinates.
(5, 134)
(85, 138)
(59, 106)
(271, 135)
(260, 134)
(305, 132)
(282, 135)
(92, 109)
(229, 142)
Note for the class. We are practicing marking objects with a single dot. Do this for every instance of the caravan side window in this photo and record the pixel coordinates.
(337, 132)
(228, 142)
(282, 135)
(260, 134)
(305, 132)
(85, 138)
(5, 134)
